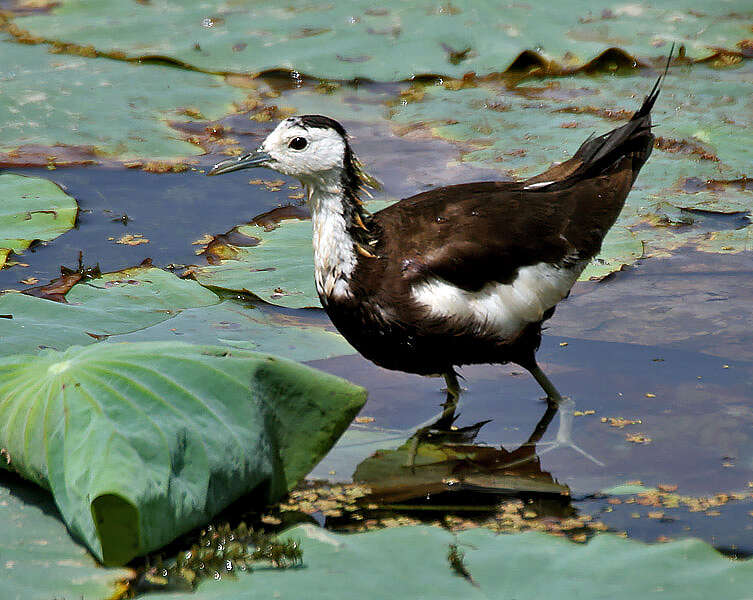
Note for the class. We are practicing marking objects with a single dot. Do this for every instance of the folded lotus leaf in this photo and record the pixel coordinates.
(141, 442)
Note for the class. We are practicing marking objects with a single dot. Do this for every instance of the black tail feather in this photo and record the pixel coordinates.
(633, 139)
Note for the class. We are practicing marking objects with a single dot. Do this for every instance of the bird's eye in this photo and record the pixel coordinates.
(297, 143)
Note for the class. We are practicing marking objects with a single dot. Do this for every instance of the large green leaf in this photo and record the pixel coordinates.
(141, 442)
(32, 209)
(412, 562)
(55, 99)
(388, 42)
(38, 558)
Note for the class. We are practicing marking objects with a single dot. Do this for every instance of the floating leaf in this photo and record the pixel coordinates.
(279, 269)
(32, 209)
(38, 558)
(142, 442)
(149, 304)
(393, 42)
(57, 100)
(236, 325)
(620, 247)
(414, 562)
(116, 303)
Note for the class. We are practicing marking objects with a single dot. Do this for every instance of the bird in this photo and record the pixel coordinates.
(456, 275)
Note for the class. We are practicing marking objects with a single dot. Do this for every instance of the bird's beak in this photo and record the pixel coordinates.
(247, 161)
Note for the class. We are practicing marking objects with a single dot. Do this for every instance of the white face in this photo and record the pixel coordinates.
(307, 153)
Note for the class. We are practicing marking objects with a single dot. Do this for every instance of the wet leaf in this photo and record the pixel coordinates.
(58, 100)
(279, 269)
(236, 325)
(38, 558)
(149, 304)
(180, 431)
(32, 209)
(116, 303)
(414, 561)
(343, 41)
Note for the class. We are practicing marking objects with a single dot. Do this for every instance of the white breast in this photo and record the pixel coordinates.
(334, 256)
(501, 310)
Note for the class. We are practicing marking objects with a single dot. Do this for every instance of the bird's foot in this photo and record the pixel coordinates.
(563, 439)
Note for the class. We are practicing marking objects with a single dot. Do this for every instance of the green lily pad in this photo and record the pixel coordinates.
(279, 269)
(116, 303)
(621, 247)
(393, 41)
(58, 100)
(414, 560)
(39, 559)
(149, 304)
(236, 325)
(32, 209)
(178, 431)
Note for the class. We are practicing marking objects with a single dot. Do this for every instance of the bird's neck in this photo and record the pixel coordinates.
(340, 232)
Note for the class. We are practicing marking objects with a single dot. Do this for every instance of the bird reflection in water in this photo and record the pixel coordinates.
(441, 470)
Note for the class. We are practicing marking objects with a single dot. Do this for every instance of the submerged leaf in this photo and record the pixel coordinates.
(142, 442)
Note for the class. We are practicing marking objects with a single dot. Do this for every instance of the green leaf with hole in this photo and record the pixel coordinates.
(38, 558)
(388, 42)
(32, 209)
(414, 560)
(109, 108)
(141, 442)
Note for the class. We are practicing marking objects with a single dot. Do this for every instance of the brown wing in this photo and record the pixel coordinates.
(471, 234)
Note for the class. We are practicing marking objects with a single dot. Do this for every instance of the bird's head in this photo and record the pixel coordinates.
(312, 148)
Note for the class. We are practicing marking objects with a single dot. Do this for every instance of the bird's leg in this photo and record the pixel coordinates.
(445, 420)
(551, 392)
(567, 415)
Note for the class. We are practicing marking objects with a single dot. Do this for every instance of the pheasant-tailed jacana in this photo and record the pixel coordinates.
(461, 274)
